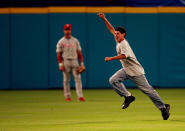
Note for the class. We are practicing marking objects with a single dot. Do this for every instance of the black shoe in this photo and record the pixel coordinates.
(127, 101)
(165, 112)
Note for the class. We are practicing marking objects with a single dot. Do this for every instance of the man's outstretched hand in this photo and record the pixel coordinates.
(108, 59)
(101, 15)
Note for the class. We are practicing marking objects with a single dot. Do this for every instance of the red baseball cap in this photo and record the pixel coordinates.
(67, 27)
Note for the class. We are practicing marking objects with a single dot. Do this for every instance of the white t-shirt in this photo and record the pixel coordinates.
(131, 65)
(68, 47)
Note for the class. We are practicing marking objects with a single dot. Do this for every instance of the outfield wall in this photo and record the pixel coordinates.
(29, 36)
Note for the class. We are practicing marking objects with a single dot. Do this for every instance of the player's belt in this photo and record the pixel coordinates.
(69, 59)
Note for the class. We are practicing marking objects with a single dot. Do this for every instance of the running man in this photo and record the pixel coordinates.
(68, 52)
(132, 70)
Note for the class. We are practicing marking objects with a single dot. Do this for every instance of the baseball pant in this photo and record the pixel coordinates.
(70, 66)
(140, 81)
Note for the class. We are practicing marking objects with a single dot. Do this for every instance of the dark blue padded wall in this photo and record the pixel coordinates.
(172, 50)
(5, 51)
(79, 30)
(29, 40)
(28, 48)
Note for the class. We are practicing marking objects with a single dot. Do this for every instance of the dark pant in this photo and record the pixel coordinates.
(140, 81)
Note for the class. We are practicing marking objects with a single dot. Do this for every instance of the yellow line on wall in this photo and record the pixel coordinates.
(171, 9)
(86, 9)
(29, 10)
(129, 10)
(141, 10)
(106, 9)
(67, 9)
(4, 10)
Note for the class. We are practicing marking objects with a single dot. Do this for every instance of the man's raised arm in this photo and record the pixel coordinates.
(109, 26)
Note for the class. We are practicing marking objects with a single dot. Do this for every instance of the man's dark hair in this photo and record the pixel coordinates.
(121, 30)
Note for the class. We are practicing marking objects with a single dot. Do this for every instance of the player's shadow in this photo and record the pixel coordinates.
(178, 120)
(87, 122)
(166, 120)
(149, 120)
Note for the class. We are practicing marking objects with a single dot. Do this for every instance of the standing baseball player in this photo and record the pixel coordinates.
(68, 52)
(132, 70)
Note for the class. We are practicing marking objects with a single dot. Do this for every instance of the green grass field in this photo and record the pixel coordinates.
(47, 111)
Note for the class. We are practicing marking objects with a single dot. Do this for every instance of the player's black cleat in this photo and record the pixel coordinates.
(165, 112)
(127, 101)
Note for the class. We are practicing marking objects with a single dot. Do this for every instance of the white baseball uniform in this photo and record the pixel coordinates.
(69, 49)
